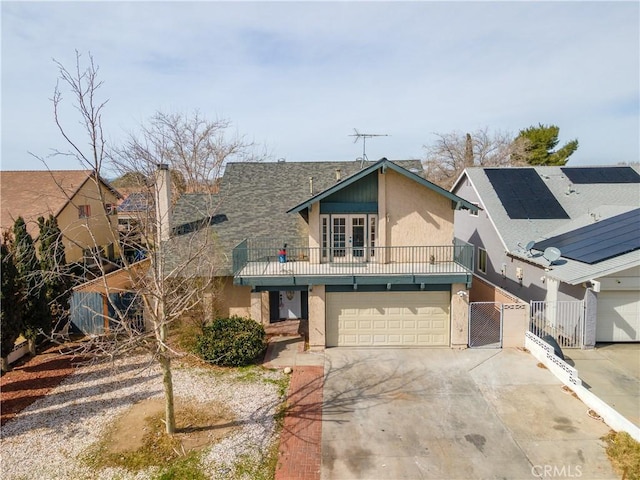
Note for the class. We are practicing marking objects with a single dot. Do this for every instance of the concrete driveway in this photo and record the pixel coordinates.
(612, 372)
(439, 413)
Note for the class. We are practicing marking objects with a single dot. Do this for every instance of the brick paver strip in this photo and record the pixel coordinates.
(301, 440)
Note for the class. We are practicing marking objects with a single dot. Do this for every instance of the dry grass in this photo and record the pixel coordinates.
(624, 454)
(178, 454)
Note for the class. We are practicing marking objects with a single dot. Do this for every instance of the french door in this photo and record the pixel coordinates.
(349, 241)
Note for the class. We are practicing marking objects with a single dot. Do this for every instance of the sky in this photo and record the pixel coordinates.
(298, 77)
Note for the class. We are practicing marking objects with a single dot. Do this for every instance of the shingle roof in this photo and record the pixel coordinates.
(255, 197)
(35, 193)
(584, 203)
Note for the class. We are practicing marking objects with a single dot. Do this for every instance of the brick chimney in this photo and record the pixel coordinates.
(163, 201)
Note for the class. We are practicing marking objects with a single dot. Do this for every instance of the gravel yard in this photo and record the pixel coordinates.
(48, 439)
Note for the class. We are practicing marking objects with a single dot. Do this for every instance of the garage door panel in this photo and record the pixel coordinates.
(397, 319)
(618, 317)
(409, 324)
(350, 324)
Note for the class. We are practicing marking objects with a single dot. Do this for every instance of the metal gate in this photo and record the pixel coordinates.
(87, 312)
(563, 320)
(92, 314)
(485, 325)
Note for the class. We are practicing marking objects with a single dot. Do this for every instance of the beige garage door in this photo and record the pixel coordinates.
(357, 319)
(618, 317)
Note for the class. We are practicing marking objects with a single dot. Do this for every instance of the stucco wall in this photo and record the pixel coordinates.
(233, 299)
(459, 316)
(515, 322)
(415, 215)
(95, 231)
(317, 309)
(314, 233)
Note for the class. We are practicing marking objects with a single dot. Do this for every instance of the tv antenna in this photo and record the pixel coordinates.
(364, 137)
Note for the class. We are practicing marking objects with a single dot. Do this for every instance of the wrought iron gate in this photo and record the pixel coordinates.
(485, 324)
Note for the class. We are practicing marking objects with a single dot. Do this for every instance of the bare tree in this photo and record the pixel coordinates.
(451, 153)
(163, 274)
(196, 148)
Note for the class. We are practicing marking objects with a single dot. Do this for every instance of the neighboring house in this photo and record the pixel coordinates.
(135, 217)
(72, 197)
(591, 215)
(370, 253)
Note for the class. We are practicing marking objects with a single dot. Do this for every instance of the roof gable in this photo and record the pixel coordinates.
(384, 164)
(31, 194)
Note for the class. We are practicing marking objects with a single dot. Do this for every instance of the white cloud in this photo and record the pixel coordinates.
(300, 76)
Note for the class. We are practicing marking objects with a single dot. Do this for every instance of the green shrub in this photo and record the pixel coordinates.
(232, 342)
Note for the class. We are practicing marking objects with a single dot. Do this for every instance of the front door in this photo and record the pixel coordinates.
(290, 304)
(348, 238)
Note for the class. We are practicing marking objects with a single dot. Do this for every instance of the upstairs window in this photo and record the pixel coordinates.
(325, 235)
(84, 211)
(110, 208)
(471, 212)
(482, 260)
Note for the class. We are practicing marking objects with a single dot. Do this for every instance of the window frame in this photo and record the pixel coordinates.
(472, 213)
(325, 232)
(111, 208)
(483, 261)
(84, 211)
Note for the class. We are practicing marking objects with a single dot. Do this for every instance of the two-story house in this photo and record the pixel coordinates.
(366, 252)
(83, 204)
(559, 235)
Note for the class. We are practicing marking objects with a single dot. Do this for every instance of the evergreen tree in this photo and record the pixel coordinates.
(56, 280)
(539, 142)
(35, 315)
(468, 151)
(11, 324)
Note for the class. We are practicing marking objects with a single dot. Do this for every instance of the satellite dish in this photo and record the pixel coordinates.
(552, 254)
(528, 246)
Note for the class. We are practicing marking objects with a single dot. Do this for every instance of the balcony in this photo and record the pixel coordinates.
(257, 263)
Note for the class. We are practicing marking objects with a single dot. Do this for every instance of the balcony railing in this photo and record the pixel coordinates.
(301, 260)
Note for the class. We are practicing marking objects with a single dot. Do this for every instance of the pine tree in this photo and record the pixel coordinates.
(35, 315)
(539, 143)
(11, 321)
(56, 279)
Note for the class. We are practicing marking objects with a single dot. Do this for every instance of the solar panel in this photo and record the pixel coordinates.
(524, 194)
(135, 202)
(599, 241)
(584, 175)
